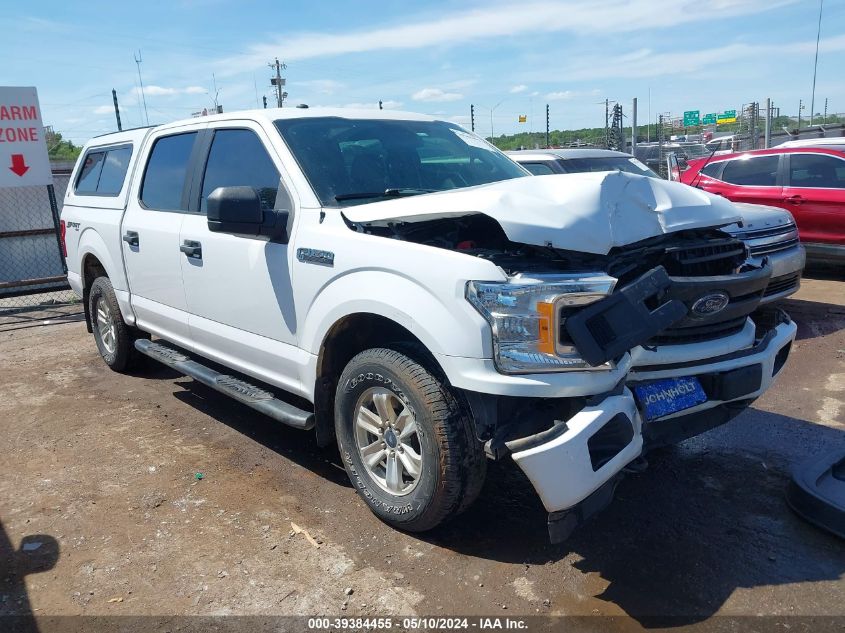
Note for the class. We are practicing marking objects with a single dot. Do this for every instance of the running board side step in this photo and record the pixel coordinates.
(250, 395)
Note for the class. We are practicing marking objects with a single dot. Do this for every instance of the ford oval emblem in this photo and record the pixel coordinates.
(711, 304)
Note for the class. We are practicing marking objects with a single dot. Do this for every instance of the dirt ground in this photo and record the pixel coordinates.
(103, 511)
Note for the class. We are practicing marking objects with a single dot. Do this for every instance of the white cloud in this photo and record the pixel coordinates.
(436, 94)
(502, 20)
(645, 62)
(566, 95)
(161, 91)
(387, 104)
(103, 109)
(518, 89)
(322, 86)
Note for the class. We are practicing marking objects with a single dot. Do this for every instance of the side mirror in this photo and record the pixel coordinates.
(235, 210)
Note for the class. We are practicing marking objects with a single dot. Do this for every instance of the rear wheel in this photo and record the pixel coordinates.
(114, 338)
(407, 444)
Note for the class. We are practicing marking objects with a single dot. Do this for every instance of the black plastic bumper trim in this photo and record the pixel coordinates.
(758, 347)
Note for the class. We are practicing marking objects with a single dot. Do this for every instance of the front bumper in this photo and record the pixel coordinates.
(787, 266)
(574, 459)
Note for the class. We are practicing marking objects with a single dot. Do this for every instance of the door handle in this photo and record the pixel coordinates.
(794, 199)
(191, 249)
(131, 238)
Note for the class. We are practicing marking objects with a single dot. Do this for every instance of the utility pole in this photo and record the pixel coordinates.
(278, 81)
(768, 134)
(825, 110)
(116, 110)
(816, 65)
(138, 61)
(634, 128)
(547, 126)
(800, 107)
(472, 116)
(264, 98)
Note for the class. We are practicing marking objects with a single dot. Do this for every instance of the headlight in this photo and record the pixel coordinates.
(525, 316)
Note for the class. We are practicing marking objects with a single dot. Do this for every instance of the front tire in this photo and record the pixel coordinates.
(113, 336)
(407, 444)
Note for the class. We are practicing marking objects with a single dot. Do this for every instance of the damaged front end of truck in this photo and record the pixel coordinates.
(625, 285)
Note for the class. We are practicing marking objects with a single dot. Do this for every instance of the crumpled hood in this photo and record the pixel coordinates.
(587, 212)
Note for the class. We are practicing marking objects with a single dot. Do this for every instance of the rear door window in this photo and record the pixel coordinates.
(90, 173)
(754, 171)
(817, 171)
(167, 169)
(712, 169)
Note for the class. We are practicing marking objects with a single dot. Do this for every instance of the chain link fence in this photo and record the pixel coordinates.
(32, 268)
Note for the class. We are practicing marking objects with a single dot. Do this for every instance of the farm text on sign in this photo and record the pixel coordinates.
(18, 113)
(23, 151)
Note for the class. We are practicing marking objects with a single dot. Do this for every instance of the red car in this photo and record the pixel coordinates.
(809, 182)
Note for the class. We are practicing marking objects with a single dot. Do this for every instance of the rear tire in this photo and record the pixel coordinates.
(115, 339)
(407, 444)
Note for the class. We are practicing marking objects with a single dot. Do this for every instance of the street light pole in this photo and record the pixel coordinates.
(493, 109)
(816, 65)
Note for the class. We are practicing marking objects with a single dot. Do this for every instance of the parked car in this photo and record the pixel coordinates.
(722, 145)
(397, 285)
(768, 231)
(807, 181)
(828, 141)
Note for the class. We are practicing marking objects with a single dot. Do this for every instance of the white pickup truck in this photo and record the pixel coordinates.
(399, 286)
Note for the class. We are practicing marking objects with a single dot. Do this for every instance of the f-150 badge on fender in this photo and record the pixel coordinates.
(314, 256)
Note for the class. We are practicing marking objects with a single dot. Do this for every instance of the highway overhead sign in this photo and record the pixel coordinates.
(709, 119)
(691, 117)
(23, 148)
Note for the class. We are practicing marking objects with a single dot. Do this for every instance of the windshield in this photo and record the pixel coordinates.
(351, 161)
(607, 163)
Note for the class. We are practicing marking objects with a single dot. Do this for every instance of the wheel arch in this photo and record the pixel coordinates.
(95, 259)
(348, 336)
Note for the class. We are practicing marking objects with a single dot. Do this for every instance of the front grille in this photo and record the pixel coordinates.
(720, 258)
(697, 333)
(784, 229)
(782, 284)
(766, 249)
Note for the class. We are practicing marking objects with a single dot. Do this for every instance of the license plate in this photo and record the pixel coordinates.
(664, 397)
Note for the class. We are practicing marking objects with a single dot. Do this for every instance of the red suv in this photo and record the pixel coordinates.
(809, 182)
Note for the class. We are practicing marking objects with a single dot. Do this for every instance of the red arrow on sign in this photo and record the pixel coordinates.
(19, 165)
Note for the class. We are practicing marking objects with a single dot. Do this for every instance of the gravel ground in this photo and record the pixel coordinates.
(149, 494)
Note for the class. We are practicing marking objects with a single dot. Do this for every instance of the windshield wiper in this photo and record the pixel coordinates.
(387, 193)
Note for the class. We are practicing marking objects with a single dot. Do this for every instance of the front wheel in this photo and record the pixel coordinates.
(407, 444)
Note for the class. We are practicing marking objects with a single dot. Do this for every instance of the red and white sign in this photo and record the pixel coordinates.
(23, 148)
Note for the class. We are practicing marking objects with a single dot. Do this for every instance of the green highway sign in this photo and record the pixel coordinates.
(729, 114)
(709, 118)
(691, 117)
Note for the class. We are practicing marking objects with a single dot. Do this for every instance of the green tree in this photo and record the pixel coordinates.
(60, 149)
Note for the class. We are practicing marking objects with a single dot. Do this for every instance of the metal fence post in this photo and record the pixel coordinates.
(54, 211)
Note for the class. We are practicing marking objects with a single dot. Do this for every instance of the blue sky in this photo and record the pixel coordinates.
(432, 56)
